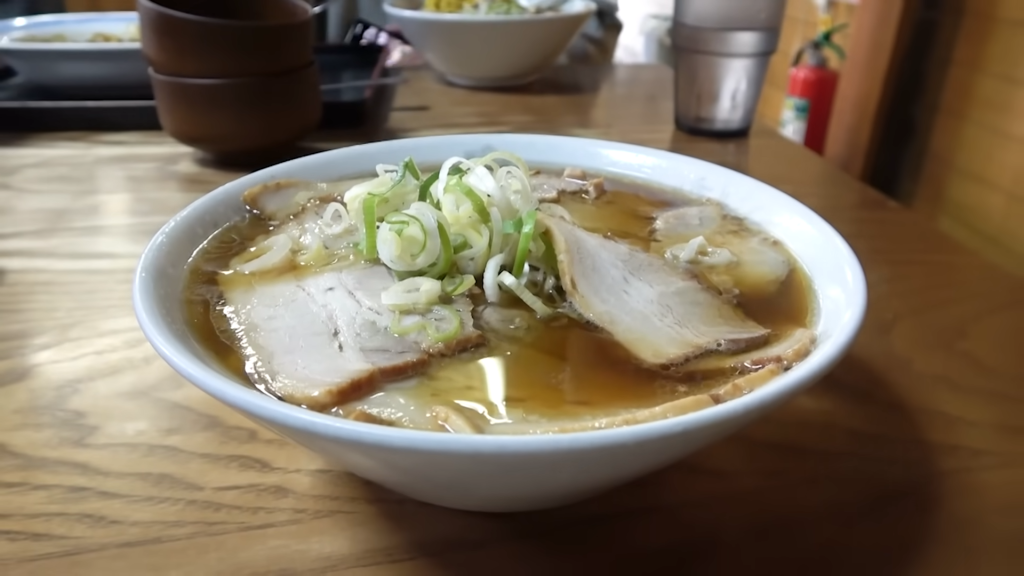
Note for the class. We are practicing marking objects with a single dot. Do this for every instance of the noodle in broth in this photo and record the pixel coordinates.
(555, 370)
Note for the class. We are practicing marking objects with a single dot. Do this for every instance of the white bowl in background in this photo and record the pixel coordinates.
(506, 473)
(480, 51)
(76, 67)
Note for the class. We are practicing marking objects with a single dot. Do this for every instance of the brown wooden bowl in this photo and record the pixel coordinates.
(225, 38)
(239, 120)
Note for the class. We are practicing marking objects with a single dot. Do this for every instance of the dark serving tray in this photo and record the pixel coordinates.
(22, 110)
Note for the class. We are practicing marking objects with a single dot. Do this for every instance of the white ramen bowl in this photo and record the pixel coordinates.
(506, 473)
(481, 51)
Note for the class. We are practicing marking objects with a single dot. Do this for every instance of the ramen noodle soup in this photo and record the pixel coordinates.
(486, 297)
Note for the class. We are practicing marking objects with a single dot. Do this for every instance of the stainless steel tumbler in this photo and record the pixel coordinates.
(722, 49)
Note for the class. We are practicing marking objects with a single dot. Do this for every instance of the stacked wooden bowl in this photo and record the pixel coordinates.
(235, 79)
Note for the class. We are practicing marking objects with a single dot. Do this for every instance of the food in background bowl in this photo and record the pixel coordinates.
(517, 301)
(82, 54)
(492, 7)
(489, 471)
(132, 35)
(486, 50)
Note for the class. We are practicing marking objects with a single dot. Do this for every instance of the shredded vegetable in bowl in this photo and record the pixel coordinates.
(472, 223)
(489, 7)
(462, 226)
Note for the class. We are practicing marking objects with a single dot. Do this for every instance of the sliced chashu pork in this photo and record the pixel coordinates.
(760, 264)
(663, 315)
(786, 351)
(666, 410)
(282, 199)
(406, 405)
(687, 221)
(310, 214)
(322, 339)
(548, 187)
(746, 384)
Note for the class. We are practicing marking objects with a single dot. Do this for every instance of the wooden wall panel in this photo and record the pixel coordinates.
(876, 35)
(967, 199)
(991, 46)
(999, 10)
(991, 101)
(994, 156)
(973, 177)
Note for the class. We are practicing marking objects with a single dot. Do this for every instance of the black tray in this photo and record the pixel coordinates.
(24, 111)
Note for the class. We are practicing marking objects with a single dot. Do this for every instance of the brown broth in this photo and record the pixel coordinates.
(203, 298)
(564, 370)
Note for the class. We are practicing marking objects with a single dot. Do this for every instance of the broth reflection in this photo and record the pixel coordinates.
(494, 378)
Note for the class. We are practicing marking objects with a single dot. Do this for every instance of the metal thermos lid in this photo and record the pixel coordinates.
(733, 14)
(725, 42)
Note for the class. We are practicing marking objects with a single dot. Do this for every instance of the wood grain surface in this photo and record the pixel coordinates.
(907, 459)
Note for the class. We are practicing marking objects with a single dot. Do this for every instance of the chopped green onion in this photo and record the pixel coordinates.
(425, 187)
(403, 220)
(370, 225)
(411, 293)
(459, 243)
(450, 284)
(478, 204)
(512, 226)
(424, 195)
(525, 237)
(408, 168)
(497, 231)
(445, 324)
(398, 222)
(423, 231)
(517, 287)
(411, 168)
(453, 285)
(401, 324)
(444, 261)
(513, 158)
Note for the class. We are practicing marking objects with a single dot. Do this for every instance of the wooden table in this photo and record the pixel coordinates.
(908, 459)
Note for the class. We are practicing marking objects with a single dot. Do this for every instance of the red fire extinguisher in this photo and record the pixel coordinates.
(812, 87)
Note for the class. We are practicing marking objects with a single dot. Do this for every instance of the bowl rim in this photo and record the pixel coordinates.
(151, 5)
(13, 25)
(272, 411)
(587, 7)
